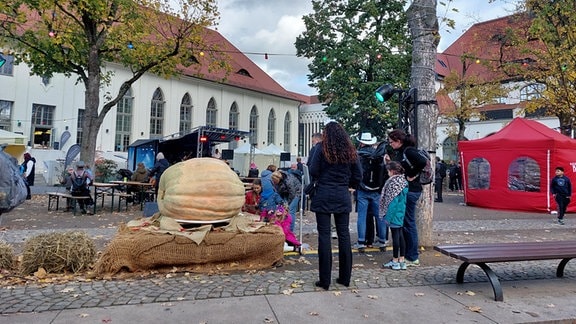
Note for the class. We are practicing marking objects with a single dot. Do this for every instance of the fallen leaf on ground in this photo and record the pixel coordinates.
(418, 294)
(288, 292)
(470, 293)
(337, 293)
(476, 309)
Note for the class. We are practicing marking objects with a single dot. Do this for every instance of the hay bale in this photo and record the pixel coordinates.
(58, 252)
(6, 256)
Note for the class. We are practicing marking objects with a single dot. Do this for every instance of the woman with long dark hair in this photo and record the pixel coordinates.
(405, 152)
(335, 168)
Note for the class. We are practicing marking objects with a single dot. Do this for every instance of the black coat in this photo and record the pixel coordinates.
(333, 183)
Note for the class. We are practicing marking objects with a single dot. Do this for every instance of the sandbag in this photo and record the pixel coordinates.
(12, 184)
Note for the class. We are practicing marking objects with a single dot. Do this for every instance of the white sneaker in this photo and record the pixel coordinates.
(334, 235)
(288, 248)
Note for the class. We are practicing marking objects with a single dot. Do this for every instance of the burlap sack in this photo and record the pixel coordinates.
(219, 251)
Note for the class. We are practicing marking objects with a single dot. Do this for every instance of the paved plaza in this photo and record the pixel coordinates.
(287, 294)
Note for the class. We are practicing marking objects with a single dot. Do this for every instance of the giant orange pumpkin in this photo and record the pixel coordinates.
(200, 189)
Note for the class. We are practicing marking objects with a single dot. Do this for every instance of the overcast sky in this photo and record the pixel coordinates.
(271, 26)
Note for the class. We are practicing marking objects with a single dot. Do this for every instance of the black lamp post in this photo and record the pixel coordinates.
(407, 98)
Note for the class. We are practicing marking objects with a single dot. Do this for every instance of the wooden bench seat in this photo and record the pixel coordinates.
(481, 254)
(54, 197)
(121, 196)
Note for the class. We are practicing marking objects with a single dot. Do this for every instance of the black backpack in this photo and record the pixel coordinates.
(373, 168)
(79, 182)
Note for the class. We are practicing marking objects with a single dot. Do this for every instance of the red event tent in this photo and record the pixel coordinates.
(512, 168)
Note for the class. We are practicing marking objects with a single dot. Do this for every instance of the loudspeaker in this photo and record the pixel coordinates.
(227, 154)
(284, 156)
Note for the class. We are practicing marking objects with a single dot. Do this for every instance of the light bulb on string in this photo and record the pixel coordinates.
(265, 56)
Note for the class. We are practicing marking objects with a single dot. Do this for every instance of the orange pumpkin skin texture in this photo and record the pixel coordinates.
(200, 189)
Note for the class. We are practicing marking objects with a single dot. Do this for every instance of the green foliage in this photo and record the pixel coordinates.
(355, 47)
(550, 45)
(105, 170)
(80, 37)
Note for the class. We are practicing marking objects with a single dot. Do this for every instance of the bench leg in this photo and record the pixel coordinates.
(561, 266)
(492, 277)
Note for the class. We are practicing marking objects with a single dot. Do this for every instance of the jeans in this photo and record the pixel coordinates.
(368, 200)
(410, 229)
(325, 247)
(293, 208)
(562, 202)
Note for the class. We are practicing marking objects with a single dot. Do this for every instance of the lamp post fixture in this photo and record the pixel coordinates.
(407, 100)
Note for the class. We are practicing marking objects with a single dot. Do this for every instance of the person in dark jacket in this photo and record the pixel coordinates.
(335, 167)
(439, 175)
(561, 189)
(159, 167)
(404, 146)
(29, 169)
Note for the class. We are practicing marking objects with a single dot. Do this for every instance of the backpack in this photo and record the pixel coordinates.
(426, 176)
(79, 182)
(12, 184)
(373, 169)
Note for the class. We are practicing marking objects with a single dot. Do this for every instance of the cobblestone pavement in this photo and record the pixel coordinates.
(453, 223)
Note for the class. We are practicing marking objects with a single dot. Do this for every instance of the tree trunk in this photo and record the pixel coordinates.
(92, 120)
(423, 25)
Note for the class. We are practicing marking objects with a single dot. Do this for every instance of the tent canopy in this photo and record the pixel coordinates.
(273, 149)
(7, 137)
(245, 149)
(512, 168)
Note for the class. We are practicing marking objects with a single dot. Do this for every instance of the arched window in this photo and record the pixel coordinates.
(211, 113)
(185, 114)
(124, 122)
(253, 125)
(524, 175)
(157, 114)
(450, 149)
(532, 91)
(287, 127)
(271, 126)
(478, 174)
(233, 117)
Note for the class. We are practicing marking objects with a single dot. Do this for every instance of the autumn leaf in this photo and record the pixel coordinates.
(470, 293)
(476, 309)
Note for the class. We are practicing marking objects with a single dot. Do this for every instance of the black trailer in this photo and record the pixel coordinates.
(177, 147)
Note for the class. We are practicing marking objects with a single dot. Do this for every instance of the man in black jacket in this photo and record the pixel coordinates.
(439, 176)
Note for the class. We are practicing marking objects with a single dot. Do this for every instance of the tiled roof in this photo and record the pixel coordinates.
(244, 74)
(483, 42)
(481, 46)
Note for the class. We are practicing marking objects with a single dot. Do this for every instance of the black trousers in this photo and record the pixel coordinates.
(342, 222)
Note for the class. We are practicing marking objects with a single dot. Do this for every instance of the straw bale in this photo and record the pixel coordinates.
(6, 256)
(58, 252)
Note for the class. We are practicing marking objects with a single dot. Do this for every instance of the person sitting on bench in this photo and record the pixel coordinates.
(80, 182)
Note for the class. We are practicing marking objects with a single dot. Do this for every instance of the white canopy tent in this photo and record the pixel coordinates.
(241, 161)
(275, 151)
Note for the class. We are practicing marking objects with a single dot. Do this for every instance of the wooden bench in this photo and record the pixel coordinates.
(121, 196)
(481, 254)
(55, 197)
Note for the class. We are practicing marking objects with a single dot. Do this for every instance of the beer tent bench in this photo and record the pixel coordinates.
(482, 254)
(54, 197)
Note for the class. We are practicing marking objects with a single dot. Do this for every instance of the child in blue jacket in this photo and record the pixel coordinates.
(392, 209)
